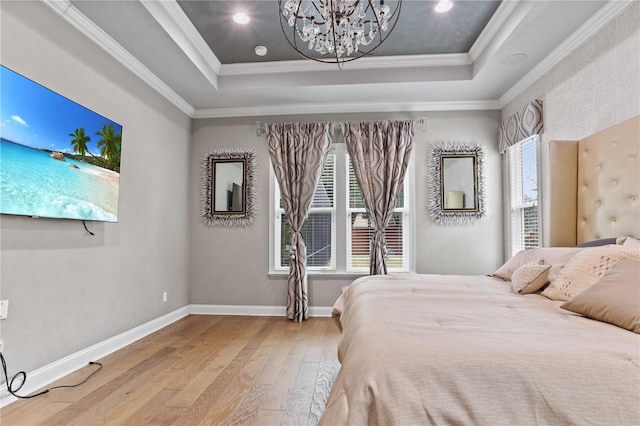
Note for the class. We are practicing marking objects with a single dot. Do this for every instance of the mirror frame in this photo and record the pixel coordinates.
(464, 216)
(213, 217)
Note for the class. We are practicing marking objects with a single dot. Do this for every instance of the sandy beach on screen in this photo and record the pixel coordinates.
(112, 177)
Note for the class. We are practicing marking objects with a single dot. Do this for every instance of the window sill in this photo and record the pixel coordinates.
(319, 274)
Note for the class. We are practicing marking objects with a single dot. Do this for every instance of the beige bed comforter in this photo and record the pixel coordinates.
(453, 350)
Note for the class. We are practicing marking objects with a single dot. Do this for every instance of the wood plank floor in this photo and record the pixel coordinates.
(202, 369)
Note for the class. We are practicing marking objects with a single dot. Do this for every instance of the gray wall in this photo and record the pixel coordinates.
(594, 87)
(67, 289)
(229, 266)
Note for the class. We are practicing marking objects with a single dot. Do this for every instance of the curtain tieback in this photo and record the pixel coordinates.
(293, 249)
(379, 240)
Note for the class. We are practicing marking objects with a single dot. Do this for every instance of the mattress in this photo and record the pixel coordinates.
(435, 349)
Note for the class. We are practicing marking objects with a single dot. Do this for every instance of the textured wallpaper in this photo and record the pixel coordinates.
(595, 86)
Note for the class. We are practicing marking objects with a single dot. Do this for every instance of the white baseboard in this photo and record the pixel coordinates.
(49, 373)
(254, 310)
(58, 369)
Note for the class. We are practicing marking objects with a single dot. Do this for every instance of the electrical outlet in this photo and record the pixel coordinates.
(164, 296)
(4, 309)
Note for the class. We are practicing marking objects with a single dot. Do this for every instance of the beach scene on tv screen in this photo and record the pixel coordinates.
(57, 158)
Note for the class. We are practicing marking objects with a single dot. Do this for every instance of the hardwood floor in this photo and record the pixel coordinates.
(200, 370)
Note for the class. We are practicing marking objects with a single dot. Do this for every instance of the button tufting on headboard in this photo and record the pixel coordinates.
(594, 188)
(611, 183)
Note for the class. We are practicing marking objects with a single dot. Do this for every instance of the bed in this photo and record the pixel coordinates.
(550, 338)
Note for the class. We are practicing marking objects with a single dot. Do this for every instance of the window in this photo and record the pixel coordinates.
(524, 206)
(318, 231)
(360, 231)
(337, 232)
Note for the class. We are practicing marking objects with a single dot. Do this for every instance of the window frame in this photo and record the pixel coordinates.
(510, 248)
(341, 225)
(276, 223)
(406, 222)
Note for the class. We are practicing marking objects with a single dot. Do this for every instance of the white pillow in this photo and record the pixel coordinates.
(557, 257)
(585, 269)
(629, 242)
(530, 278)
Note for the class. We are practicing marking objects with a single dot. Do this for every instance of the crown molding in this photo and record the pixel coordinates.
(517, 12)
(177, 25)
(333, 108)
(367, 63)
(89, 29)
(602, 17)
(493, 27)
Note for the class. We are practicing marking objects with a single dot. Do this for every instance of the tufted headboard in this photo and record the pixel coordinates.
(595, 186)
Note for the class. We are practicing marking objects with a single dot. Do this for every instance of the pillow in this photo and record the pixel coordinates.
(557, 257)
(602, 242)
(620, 240)
(615, 298)
(530, 278)
(585, 269)
(629, 242)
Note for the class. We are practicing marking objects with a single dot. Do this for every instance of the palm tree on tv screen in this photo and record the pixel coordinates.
(79, 142)
(109, 145)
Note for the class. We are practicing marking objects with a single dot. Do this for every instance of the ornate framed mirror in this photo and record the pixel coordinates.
(457, 186)
(228, 185)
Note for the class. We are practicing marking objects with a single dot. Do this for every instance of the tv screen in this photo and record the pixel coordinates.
(58, 159)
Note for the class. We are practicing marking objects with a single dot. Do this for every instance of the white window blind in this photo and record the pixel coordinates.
(318, 230)
(360, 231)
(524, 195)
(337, 232)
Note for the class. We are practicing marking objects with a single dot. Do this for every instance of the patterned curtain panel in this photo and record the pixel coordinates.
(298, 152)
(521, 125)
(380, 152)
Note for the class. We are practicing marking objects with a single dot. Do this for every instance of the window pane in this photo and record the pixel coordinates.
(523, 181)
(316, 233)
(355, 196)
(530, 234)
(524, 174)
(361, 234)
(325, 190)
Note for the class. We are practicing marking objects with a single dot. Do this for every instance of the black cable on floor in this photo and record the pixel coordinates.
(23, 375)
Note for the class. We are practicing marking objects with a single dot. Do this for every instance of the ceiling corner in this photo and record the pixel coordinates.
(177, 25)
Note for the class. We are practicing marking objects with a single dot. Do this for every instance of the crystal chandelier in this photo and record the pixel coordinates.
(337, 31)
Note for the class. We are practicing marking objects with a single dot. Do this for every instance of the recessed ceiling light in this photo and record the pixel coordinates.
(241, 18)
(260, 50)
(514, 59)
(443, 6)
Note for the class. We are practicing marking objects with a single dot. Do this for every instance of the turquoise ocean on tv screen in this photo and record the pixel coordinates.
(34, 184)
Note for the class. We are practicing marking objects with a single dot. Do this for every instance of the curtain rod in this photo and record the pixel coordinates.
(260, 126)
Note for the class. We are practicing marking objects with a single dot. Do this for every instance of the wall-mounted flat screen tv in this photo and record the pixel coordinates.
(58, 159)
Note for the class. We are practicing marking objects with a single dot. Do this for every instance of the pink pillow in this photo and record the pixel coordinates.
(615, 298)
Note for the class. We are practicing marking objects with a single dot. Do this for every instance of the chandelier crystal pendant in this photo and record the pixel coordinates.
(337, 31)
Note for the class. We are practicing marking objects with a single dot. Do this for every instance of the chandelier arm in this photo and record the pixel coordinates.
(293, 45)
(347, 39)
(315, 6)
(333, 30)
(374, 49)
